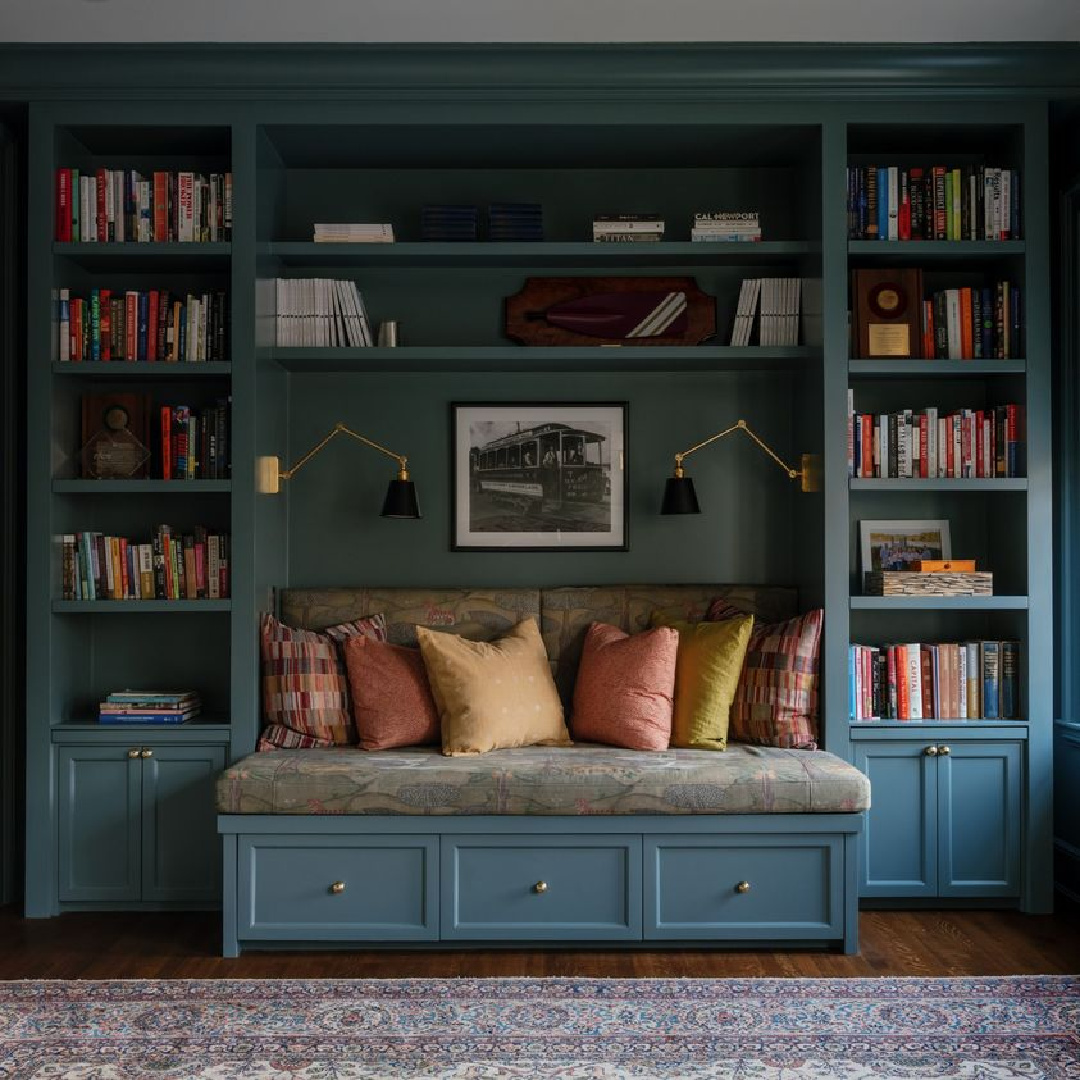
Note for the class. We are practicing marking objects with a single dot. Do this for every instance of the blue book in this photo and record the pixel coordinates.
(144, 325)
(990, 665)
(883, 204)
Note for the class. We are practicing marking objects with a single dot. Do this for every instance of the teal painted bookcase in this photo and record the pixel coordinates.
(116, 818)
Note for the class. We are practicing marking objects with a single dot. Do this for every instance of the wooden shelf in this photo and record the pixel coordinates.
(939, 603)
(125, 369)
(893, 484)
(509, 359)
(935, 369)
(536, 253)
(140, 487)
(142, 607)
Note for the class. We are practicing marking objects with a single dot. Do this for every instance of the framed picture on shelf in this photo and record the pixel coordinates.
(543, 476)
(899, 545)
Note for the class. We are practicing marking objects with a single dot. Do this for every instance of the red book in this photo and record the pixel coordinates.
(63, 205)
(927, 671)
(903, 223)
(131, 325)
(867, 445)
(967, 347)
(924, 446)
(940, 211)
(980, 446)
(165, 414)
(928, 329)
(891, 690)
(151, 337)
(903, 703)
(161, 207)
(200, 569)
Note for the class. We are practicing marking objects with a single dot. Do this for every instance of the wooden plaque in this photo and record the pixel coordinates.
(610, 311)
(888, 313)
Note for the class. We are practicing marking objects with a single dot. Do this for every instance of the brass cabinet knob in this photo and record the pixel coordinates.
(337, 888)
(133, 752)
(146, 752)
(944, 750)
(540, 887)
(743, 886)
(931, 751)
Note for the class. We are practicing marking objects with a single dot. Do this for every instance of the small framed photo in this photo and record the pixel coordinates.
(543, 476)
(898, 545)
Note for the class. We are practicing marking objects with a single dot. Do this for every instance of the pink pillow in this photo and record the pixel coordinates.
(391, 698)
(625, 687)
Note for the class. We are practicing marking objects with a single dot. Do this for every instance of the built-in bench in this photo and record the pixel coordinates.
(575, 845)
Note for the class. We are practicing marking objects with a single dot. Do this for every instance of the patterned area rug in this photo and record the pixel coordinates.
(585, 1029)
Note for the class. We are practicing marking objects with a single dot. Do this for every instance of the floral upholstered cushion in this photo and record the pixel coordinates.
(543, 780)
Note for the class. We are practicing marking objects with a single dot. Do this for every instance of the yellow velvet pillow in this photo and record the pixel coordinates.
(707, 670)
(493, 694)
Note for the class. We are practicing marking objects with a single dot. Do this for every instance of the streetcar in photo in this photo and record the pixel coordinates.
(551, 467)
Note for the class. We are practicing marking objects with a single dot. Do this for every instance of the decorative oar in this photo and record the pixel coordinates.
(619, 315)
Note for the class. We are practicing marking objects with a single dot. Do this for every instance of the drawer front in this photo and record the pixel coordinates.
(744, 887)
(337, 888)
(551, 887)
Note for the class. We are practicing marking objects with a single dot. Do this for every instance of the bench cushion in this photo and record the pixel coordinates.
(583, 779)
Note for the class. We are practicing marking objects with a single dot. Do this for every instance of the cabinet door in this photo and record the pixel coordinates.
(98, 793)
(979, 819)
(181, 857)
(899, 856)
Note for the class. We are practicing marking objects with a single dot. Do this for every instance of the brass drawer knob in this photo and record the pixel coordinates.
(931, 751)
(133, 752)
(944, 750)
(337, 888)
(540, 887)
(145, 752)
(743, 886)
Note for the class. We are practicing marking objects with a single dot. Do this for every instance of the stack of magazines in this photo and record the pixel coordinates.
(149, 707)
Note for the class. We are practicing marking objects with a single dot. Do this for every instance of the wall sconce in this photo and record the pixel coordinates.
(400, 499)
(679, 494)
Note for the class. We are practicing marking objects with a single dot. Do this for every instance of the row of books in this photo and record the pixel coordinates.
(195, 442)
(966, 444)
(970, 680)
(779, 300)
(122, 205)
(171, 566)
(357, 232)
(973, 323)
(133, 326)
(726, 226)
(149, 707)
(627, 228)
(935, 202)
(320, 312)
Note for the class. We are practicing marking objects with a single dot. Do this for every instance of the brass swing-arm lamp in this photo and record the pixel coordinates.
(400, 499)
(679, 494)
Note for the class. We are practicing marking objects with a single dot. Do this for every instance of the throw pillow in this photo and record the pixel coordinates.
(493, 694)
(777, 699)
(305, 692)
(391, 698)
(706, 674)
(625, 687)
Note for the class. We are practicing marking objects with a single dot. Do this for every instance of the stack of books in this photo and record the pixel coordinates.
(149, 707)
(615, 228)
(726, 226)
(515, 221)
(779, 300)
(441, 223)
(321, 312)
(354, 233)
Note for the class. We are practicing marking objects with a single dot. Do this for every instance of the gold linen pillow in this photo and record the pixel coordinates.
(707, 671)
(493, 694)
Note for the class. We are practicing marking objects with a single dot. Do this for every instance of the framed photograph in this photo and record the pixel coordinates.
(898, 545)
(545, 476)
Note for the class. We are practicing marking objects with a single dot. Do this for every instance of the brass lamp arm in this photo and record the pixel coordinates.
(340, 429)
(739, 425)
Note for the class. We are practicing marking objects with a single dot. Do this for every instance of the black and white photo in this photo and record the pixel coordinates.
(539, 476)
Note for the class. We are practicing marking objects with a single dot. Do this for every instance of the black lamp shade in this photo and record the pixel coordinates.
(401, 500)
(679, 496)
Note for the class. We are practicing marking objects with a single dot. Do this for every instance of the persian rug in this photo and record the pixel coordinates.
(571, 1029)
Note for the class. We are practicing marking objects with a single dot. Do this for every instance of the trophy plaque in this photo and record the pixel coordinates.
(888, 313)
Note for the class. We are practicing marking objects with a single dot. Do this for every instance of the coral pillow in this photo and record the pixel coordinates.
(305, 693)
(706, 675)
(625, 687)
(391, 698)
(776, 701)
(493, 694)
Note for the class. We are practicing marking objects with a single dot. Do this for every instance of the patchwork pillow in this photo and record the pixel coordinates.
(625, 687)
(391, 698)
(777, 699)
(304, 686)
(493, 694)
(707, 670)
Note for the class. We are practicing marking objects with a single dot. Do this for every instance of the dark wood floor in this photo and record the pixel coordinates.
(187, 945)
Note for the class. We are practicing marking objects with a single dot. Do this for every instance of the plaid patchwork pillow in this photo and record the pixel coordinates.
(305, 686)
(777, 699)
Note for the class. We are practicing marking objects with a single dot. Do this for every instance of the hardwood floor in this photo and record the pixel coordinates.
(186, 945)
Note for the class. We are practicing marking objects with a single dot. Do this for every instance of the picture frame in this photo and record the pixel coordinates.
(539, 476)
(897, 545)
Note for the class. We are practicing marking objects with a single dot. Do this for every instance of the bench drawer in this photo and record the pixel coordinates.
(330, 888)
(547, 887)
(744, 887)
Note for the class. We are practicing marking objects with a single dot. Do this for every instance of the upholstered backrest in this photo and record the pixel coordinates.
(564, 614)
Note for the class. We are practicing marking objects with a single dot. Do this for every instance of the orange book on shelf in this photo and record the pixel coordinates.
(967, 345)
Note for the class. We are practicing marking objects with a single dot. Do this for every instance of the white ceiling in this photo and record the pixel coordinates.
(87, 21)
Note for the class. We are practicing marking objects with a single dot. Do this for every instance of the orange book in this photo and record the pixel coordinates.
(903, 696)
(937, 566)
(967, 346)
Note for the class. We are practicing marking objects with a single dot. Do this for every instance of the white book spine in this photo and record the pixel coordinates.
(914, 677)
